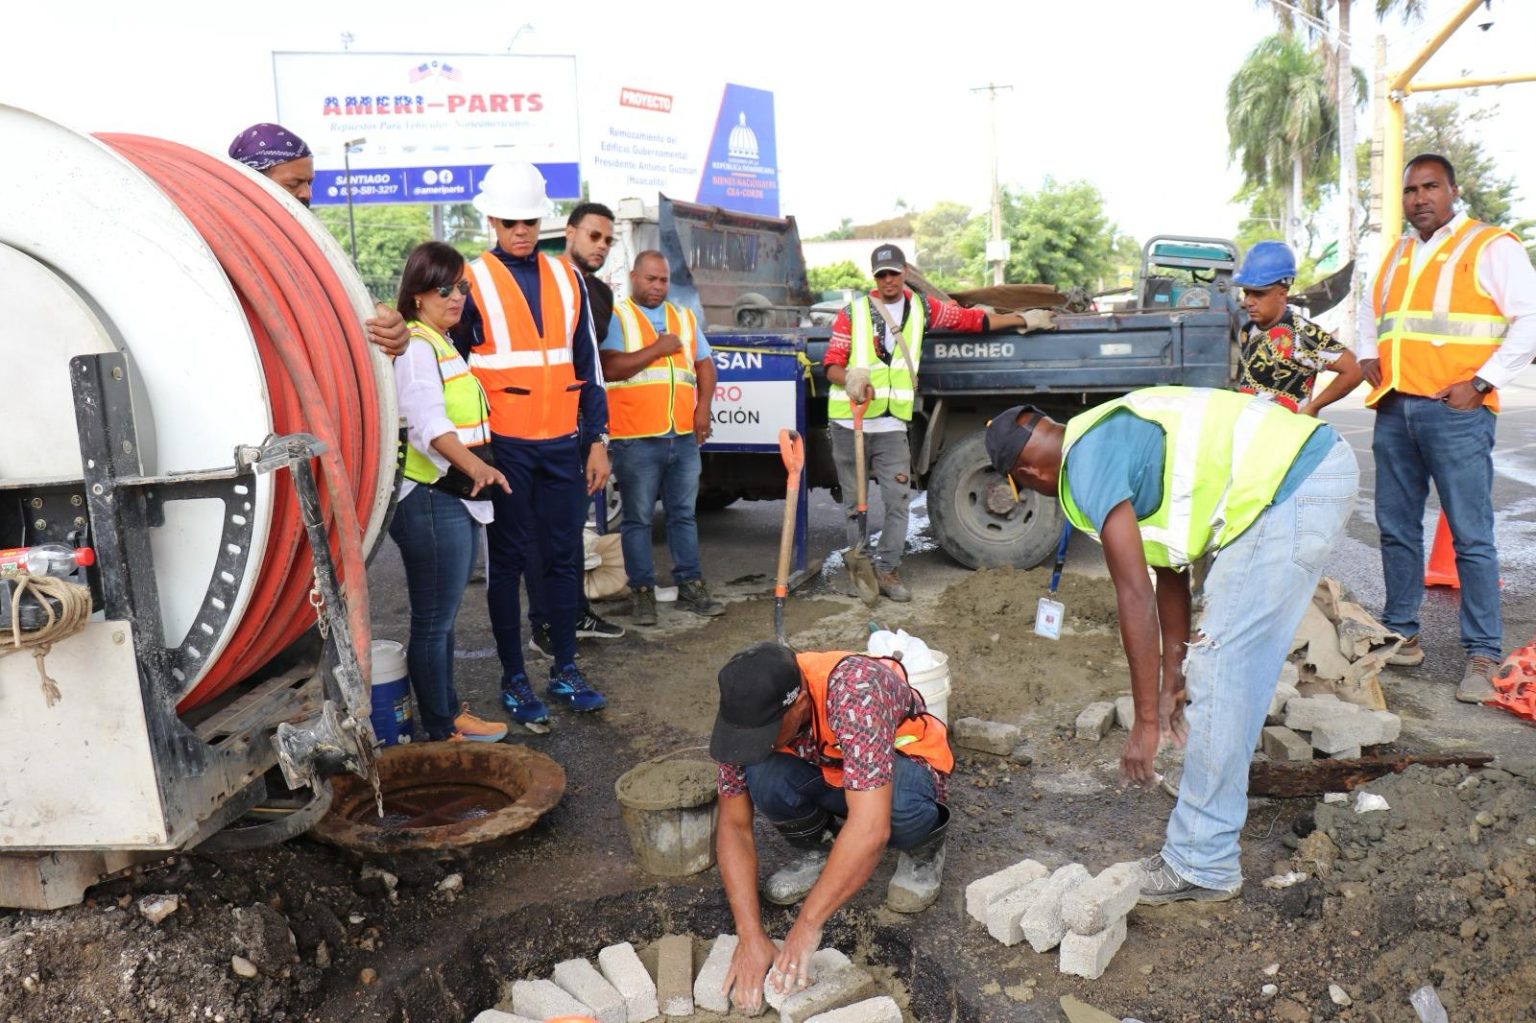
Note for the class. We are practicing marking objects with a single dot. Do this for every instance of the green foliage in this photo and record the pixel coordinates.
(1444, 127)
(385, 236)
(842, 232)
(1279, 113)
(937, 233)
(1060, 235)
(836, 277)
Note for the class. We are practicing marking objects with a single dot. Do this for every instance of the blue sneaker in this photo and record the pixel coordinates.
(569, 687)
(522, 705)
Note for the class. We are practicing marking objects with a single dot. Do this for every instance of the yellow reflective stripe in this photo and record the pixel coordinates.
(904, 740)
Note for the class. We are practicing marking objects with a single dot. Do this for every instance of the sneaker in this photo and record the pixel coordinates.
(892, 587)
(522, 705)
(456, 737)
(472, 729)
(1477, 683)
(539, 641)
(643, 611)
(1160, 885)
(1409, 655)
(590, 626)
(693, 595)
(568, 686)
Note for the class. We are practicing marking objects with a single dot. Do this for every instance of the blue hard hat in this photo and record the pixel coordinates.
(1266, 263)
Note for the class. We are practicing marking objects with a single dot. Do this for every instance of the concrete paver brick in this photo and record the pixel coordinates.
(984, 891)
(1100, 901)
(1125, 712)
(586, 985)
(1088, 955)
(986, 736)
(832, 990)
(872, 1010)
(1284, 693)
(497, 1016)
(674, 975)
(620, 966)
(544, 999)
(1304, 713)
(1391, 725)
(1280, 743)
(1004, 914)
(1346, 731)
(823, 961)
(1042, 923)
(1095, 721)
(706, 986)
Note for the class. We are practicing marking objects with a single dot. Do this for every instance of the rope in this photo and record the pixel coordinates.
(74, 610)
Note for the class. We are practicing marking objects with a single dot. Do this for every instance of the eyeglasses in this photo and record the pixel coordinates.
(462, 287)
(509, 224)
(883, 274)
(598, 236)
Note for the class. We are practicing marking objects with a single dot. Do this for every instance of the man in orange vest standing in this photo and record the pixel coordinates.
(661, 383)
(528, 330)
(813, 739)
(1451, 319)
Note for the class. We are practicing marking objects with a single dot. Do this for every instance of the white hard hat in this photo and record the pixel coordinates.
(513, 191)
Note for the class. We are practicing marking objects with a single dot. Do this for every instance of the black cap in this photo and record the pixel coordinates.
(888, 257)
(1006, 438)
(757, 685)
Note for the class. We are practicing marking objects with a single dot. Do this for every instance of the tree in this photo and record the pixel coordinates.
(842, 232)
(837, 277)
(1444, 127)
(385, 236)
(937, 233)
(1059, 235)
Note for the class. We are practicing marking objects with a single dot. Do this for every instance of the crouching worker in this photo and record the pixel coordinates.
(823, 744)
(1161, 477)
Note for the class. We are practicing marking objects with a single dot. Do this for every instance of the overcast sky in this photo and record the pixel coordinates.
(873, 100)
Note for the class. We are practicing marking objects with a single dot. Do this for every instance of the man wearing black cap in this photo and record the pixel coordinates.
(813, 739)
(874, 353)
(1162, 477)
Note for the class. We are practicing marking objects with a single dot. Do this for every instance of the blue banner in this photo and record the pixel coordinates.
(429, 184)
(742, 170)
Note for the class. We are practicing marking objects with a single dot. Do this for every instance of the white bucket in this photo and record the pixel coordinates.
(933, 683)
(391, 693)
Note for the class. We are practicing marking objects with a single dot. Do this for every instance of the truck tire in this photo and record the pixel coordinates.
(972, 533)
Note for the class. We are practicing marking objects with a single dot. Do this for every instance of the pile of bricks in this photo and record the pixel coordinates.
(619, 989)
(1082, 914)
(1334, 727)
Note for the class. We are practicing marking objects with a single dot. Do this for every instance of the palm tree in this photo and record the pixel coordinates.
(1280, 121)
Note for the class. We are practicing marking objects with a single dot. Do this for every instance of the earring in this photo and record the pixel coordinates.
(418, 303)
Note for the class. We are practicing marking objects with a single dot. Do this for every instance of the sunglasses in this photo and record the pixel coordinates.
(598, 236)
(883, 274)
(509, 224)
(462, 287)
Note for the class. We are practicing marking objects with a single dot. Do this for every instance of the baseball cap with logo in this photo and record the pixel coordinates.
(888, 257)
(757, 685)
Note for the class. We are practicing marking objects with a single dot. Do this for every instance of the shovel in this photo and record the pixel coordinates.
(792, 451)
(861, 571)
(1049, 613)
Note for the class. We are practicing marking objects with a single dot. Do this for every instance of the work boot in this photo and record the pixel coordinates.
(590, 626)
(693, 595)
(569, 687)
(522, 705)
(919, 871)
(1477, 683)
(1160, 885)
(811, 837)
(892, 587)
(1409, 655)
(475, 729)
(643, 610)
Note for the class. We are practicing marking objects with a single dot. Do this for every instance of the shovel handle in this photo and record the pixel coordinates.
(792, 450)
(861, 493)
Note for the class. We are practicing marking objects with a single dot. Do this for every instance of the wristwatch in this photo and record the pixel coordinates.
(602, 439)
(1481, 386)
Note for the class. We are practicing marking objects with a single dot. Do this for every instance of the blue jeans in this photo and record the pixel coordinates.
(787, 788)
(1255, 595)
(438, 543)
(668, 468)
(545, 508)
(1417, 440)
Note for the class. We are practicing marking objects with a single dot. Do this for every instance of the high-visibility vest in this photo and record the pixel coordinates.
(527, 373)
(1437, 326)
(920, 735)
(1225, 455)
(661, 398)
(894, 385)
(463, 403)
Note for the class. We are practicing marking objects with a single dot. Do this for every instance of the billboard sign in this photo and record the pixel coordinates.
(432, 123)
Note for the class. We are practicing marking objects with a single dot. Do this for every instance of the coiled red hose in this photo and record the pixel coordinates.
(320, 381)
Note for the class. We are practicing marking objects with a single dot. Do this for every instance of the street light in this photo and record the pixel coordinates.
(524, 27)
(347, 149)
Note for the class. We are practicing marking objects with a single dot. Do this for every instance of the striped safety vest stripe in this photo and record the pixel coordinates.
(895, 388)
(463, 403)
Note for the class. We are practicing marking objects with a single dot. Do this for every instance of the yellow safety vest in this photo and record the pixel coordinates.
(894, 385)
(660, 399)
(463, 403)
(1225, 456)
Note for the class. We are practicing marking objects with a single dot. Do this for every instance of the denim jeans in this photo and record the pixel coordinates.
(888, 462)
(787, 788)
(668, 468)
(1255, 595)
(1417, 440)
(438, 543)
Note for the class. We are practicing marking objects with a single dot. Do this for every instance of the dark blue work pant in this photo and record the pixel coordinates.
(787, 788)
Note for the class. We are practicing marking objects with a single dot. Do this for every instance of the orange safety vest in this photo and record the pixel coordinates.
(920, 736)
(1437, 326)
(527, 373)
(660, 399)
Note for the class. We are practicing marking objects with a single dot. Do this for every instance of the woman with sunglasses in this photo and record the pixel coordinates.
(437, 523)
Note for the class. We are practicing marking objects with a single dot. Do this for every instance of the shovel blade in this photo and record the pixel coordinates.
(1048, 617)
(861, 572)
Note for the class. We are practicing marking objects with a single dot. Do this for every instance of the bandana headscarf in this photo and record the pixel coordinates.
(263, 146)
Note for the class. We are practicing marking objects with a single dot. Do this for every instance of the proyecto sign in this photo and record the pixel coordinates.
(433, 122)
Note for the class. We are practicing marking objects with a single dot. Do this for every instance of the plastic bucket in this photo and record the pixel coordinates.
(933, 683)
(669, 811)
(392, 720)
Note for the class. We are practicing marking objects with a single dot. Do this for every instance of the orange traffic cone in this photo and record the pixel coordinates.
(1442, 559)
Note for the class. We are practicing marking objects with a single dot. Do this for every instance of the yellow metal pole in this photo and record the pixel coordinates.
(1392, 173)
(1471, 83)
(1400, 83)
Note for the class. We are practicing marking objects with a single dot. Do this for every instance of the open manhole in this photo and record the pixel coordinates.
(443, 796)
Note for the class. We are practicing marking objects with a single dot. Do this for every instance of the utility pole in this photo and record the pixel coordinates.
(347, 149)
(1347, 188)
(997, 248)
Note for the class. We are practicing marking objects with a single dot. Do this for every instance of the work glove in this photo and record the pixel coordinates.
(856, 383)
(1038, 319)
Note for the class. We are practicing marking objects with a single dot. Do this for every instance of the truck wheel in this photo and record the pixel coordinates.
(613, 507)
(980, 527)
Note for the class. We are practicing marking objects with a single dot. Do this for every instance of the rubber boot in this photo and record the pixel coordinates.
(919, 871)
(811, 837)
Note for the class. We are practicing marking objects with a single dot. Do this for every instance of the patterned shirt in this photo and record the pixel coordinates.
(867, 700)
(940, 316)
(1283, 361)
